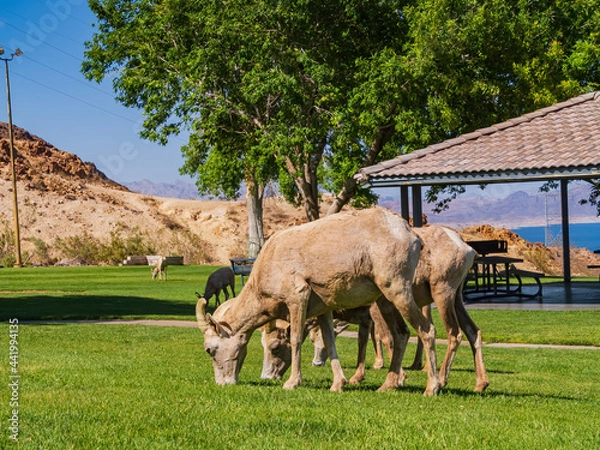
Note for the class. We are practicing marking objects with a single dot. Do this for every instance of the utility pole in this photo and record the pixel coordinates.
(18, 262)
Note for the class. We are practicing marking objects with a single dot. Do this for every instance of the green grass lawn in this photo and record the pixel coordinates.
(101, 292)
(141, 387)
(125, 386)
(55, 293)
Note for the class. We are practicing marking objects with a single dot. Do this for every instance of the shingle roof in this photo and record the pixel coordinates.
(560, 141)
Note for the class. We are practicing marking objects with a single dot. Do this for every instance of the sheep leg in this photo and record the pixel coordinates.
(400, 334)
(363, 340)
(402, 297)
(381, 335)
(328, 332)
(448, 315)
(378, 348)
(474, 336)
(297, 306)
(418, 361)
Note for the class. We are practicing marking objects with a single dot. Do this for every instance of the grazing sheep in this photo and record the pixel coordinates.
(341, 261)
(160, 269)
(218, 281)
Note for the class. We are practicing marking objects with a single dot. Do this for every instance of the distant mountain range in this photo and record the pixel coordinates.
(519, 208)
(178, 189)
(62, 196)
(516, 209)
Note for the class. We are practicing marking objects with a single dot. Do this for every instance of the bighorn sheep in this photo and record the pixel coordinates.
(160, 269)
(219, 281)
(342, 261)
(443, 266)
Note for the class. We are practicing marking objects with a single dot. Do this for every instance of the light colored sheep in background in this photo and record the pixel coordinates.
(160, 269)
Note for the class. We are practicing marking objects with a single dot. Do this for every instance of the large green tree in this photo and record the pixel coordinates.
(194, 66)
(486, 62)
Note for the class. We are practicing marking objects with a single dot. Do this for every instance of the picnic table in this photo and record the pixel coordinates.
(491, 274)
(495, 275)
(242, 266)
(595, 266)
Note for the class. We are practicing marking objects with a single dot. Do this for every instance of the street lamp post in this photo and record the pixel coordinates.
(18, 262)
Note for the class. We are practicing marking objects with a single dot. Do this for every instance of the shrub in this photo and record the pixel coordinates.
(8, 245)
(119, 246)
(192, 247)
(41, 251)
(85, 247)
(540, 258)
(93, 251)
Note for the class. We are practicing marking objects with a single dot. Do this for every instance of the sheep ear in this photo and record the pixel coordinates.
(283, 324)
(283, 328)
(222, 328)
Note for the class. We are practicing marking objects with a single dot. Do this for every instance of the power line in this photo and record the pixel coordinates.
(175, 138)
(76, 58)
(74, 98)
(56, 70)
(69, 76)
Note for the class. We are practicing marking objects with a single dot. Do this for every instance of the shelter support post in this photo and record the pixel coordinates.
(404, 202)
(417, 206)
(564, 204)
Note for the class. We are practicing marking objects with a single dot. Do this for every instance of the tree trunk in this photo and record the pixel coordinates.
(254, 206)
(308, 188)
(344, 196)
(307, 182)
(384, 134)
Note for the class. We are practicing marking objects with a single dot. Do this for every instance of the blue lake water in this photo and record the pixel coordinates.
(583, 235)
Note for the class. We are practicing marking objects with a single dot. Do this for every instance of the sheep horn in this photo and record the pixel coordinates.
(203, 323)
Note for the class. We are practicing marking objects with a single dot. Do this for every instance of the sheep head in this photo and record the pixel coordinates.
(226, 348)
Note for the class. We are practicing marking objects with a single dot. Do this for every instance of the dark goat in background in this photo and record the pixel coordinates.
(219, 281)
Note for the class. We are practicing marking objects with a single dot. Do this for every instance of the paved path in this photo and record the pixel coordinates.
(351, 334)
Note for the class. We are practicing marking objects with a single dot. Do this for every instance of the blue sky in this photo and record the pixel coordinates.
(51, 98)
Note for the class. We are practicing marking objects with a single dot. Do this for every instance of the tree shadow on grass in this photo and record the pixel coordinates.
(487, 369)
(509, 394)
(50, 307)
(317, 385)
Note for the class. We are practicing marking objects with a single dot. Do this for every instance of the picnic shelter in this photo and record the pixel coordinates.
(559, 143)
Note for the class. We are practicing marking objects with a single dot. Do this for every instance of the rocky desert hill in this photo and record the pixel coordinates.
(61, 198)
